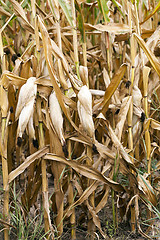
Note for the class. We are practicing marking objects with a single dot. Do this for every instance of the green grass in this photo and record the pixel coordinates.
(22, 227)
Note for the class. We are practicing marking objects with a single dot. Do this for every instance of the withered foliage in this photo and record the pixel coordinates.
(92, 137)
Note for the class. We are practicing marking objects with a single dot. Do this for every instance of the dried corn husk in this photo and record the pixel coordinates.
(84, 106)
(25, 105)
(57, 119)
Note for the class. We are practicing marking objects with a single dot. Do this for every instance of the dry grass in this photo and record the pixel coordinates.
(98, 141)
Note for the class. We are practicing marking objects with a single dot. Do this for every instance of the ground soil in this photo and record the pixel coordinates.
(123, 232)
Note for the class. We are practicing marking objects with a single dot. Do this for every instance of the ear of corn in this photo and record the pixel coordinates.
(84, 106)
(26, 96)
(57, 119)
(24, 109)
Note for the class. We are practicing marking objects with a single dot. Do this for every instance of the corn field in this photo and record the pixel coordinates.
(80, 101)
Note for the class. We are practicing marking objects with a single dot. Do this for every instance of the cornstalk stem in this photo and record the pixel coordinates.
(75, 41)
(146, 71)
(130, 112)
(47, 222)
(59, 40)
(115, 172)
(84, 48)
(108, 54)
(5, 177)
(91, 226)
(71, 195)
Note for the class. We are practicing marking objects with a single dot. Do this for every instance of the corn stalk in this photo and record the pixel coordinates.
(91, 227)
(130, 112)
(71, 196)
(4, 136)
(47, 221)
(75, 40)
(146, 71)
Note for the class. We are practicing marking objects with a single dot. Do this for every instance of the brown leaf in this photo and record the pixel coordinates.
(112, 87)
(83, 197)
(15, 173)
(120, 147)
(5, 13)
(146, 189)
(151, 57)
(87, 172)
(95, 219)
(122, 116)
(155, 124)
(116, 28)
(20, 12)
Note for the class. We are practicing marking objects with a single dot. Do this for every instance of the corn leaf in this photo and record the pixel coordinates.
(85, 171)
(28, 161)
(66, 7)
(80, 19)
(112, 87)
(20, 12)
(152, 13)
(147, 189)
(116, 28)
(102, 4)
(151, 57)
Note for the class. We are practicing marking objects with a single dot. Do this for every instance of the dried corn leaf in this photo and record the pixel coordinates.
(82, 198)
(146, 71)
(4, 101)
(152, 13)
(125, 161)
(29, 49)
(101, 148)
(85, 171)
(53, 48)
(4, 12)
(44, 82)
(147, 124)
(95, 219)
(103, 201)
(62, 79)
(122, 116)
(155, 124)
(151, 57)
(147, 190)
(26, 70)
(106, 78)
(116, 28)
(28, 161)
(112, 87)
(20, 12)
(54, 6)
(104, 151)
(46, 211)
(141, 232)
(69, 102)
(83, 71)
